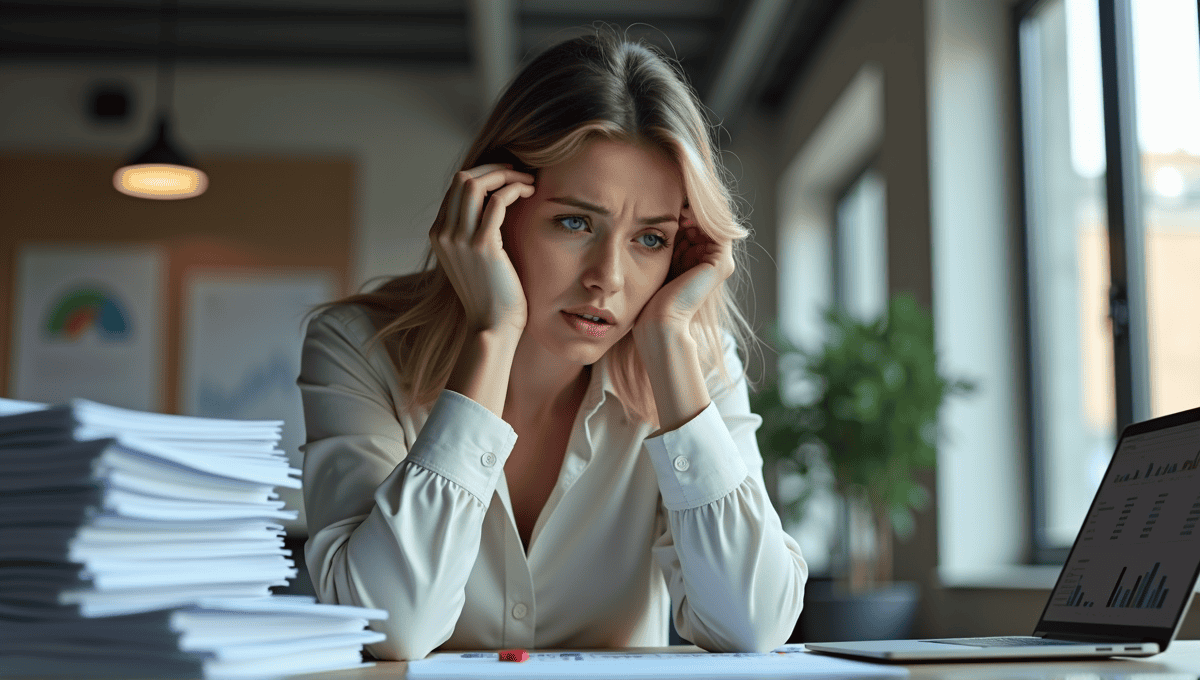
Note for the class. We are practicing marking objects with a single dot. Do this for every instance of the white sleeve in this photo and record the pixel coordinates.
(393, 524)
(736, 578)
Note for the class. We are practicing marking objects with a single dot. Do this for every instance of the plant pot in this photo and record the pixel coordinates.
(832, 614)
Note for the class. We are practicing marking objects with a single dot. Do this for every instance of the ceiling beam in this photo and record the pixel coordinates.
(804, 30)
(493, 25)
(740, 63)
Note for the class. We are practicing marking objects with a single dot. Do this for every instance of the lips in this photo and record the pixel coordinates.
(593, 314)
(588, 317)
(595, 329)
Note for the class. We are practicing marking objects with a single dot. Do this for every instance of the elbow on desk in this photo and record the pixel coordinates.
(750, 634)
(765, 626)
(400, 646)
(409, 637)
(745, 642)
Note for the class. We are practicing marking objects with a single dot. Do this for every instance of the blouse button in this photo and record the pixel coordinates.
(520, 610)
(489, 459)
(682, 464)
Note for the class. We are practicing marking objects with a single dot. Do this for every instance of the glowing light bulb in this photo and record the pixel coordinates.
(161, 181)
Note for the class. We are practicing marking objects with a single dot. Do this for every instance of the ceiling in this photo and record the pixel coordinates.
(737, 53)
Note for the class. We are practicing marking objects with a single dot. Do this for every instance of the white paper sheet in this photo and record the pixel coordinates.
(789, 661)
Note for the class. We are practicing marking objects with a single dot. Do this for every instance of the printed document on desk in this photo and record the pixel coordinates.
(789, 661)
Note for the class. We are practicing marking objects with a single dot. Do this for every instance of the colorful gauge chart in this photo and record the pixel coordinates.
(80, 309)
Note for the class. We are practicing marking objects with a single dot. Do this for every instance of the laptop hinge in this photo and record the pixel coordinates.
(1083, 638)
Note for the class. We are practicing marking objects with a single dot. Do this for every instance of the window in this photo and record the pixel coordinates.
(1166, 52)
(860, 247)
(1108, 129)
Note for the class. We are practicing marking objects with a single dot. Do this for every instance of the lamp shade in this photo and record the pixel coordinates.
(160, 172)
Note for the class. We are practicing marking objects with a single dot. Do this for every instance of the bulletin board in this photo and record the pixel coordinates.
(275, 216)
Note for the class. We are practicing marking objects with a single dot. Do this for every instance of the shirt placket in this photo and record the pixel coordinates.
(520, 609)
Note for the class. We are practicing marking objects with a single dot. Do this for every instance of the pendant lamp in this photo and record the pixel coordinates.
(159, 171)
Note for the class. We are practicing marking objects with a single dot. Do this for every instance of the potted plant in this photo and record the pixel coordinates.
(864, 407)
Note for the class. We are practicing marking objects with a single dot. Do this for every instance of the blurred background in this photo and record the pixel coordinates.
(1028, 171)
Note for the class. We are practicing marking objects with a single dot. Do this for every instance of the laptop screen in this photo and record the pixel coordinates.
(1136, 558)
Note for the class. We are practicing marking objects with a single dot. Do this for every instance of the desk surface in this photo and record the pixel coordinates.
(1181, 660)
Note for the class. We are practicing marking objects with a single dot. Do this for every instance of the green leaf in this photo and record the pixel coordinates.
(869, 399)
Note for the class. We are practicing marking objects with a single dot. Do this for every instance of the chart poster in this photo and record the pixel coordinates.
(88, 324)
(242, 337)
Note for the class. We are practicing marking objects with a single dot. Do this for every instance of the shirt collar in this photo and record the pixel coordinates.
(600, 388)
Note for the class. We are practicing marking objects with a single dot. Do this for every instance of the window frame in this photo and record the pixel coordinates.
(1126, 234)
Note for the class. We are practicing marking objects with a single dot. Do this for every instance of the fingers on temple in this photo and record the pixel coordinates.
(496, 208)
(466, 198)
(475, 196)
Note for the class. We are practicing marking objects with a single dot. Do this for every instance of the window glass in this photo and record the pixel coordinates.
(1068, 267)
(861, 244)
(1166, 50)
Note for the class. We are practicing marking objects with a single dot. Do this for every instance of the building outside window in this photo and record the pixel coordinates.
(1076, 379)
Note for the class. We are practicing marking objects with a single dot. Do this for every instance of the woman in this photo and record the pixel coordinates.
(545, 439)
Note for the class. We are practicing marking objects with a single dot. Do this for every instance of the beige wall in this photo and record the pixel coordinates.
(403, 128)
(891, 35)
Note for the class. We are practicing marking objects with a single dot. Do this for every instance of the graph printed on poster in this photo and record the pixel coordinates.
(244, 331)
(1140, 544)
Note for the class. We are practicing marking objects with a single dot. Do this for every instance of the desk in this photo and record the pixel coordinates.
(1181, 660)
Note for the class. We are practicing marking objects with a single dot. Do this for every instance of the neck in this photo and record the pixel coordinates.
(541, 384)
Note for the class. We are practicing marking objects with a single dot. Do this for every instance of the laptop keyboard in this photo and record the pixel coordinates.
(1017, 641)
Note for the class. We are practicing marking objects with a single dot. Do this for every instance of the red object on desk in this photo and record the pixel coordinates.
(517, 655)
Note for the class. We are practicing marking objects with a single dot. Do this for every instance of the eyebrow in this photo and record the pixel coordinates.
(584, 205)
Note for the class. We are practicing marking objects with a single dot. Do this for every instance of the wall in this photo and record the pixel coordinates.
(891, 35)
(391, 138)
(977, 248)
(405, 129)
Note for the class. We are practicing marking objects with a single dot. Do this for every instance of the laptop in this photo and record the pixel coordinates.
(1128, 580)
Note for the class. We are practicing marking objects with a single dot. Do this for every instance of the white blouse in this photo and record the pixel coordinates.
(410, 512)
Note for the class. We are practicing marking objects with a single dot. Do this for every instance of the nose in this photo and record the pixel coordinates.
(604, 269)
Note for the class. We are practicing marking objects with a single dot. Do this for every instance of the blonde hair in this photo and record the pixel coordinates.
(595, 86)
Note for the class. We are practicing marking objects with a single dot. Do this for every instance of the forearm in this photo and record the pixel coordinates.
(672, 361)
(737, 579)
(412, 556)
(483, 367)
(412, 550)
(740, 580)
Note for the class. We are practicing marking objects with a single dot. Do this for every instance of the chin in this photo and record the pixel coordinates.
(584, 355)
(581, 351)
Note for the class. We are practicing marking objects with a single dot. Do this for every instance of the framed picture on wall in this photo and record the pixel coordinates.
(242, 332)
(89, 324)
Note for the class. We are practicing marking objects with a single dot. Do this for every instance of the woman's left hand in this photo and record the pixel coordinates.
(662, 331)
(698, 266)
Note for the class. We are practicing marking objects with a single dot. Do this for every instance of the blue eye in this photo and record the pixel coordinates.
(656, 243)
(572, 223)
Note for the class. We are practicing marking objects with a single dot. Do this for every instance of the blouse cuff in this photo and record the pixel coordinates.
(698, 462)
(465, 443)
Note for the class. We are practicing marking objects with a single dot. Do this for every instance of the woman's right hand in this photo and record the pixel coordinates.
(466, 239)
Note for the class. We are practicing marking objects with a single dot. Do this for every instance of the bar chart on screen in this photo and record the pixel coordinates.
(1139, 595)
(1136, 554)
(1153, 470)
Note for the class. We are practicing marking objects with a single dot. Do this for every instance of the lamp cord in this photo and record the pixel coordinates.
(167, 16)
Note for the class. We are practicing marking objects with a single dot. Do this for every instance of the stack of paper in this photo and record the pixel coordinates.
(137, 542)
